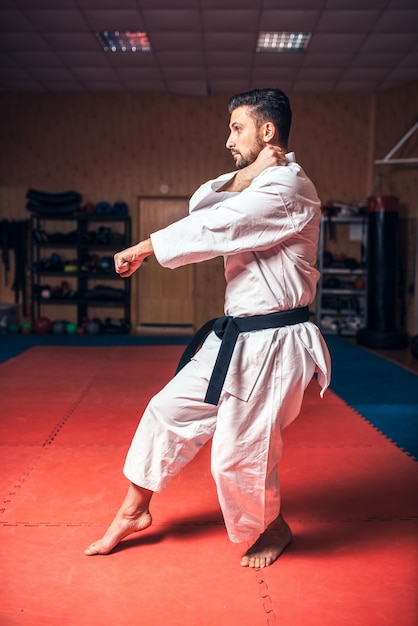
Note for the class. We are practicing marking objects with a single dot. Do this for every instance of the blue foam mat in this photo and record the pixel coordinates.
(384, 393)
(12, 345)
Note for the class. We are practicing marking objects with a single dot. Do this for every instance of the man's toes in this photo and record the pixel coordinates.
(92, 549)
(97, 548)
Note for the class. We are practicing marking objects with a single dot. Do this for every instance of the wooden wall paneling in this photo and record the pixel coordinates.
(396, 109)
(165, 297)
(125, 146)
(330, 136)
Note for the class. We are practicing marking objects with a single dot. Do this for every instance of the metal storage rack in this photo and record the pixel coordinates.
(89, 241)
(341, 304)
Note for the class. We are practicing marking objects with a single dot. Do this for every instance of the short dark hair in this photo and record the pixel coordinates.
(268, 105)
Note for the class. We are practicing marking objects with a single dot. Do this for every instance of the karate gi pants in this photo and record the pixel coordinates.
(247, 440)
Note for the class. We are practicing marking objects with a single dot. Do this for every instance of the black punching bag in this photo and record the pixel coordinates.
(382, 270)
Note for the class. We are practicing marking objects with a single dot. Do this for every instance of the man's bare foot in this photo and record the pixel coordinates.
(269, 546)
(132, 517)
(121, 527)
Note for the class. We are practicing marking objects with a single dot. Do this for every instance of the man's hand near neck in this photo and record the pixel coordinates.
(269, 156)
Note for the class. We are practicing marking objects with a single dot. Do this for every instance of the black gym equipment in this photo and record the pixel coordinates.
(45, 203)
(382, 274)
(414, 347)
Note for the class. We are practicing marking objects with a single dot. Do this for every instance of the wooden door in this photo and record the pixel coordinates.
(165, 297)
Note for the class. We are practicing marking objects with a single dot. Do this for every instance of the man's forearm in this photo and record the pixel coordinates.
(240, 181)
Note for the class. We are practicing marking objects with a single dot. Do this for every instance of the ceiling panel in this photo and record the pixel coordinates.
(182, 20)
(94, 73)
(236, 58)
(98, 4)
(15, 21)
(101, 20)
(349, 5)
(268, 59)
(313, 86)
(6, 60)
(51, 73)
(145, 85)
(323, 59)
(137, 73)
(232, 86)
(62, 21)
(294, 4)
(37, 59)
(384, 42)
(61, 86)
(387, 59)
(13, 73)
(409, 60)
(347, 21)
(274, 73)
(336, 43)
(230, 41)
(188, 87)
(180, 58)
(228, 71)
(365, 73)
(398, 21)
(324, 73)
(173, 41)
(231, 4)
(228, 20)
(71, 41)
(107, 86)
(44, 4)
(402, 4)
(348, 86)
(75, 58)
(207, 46)
(141, 59)
(168, 4)
(286, 20)
(22, 86)
(196, 72)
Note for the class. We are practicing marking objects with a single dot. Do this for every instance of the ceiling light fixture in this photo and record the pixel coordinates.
(283, 42)
(117, 41)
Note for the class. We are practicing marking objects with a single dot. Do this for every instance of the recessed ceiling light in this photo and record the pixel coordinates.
(117, 41)
(283, 42)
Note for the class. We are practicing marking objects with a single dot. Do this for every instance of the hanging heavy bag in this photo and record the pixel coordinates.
(382, 274)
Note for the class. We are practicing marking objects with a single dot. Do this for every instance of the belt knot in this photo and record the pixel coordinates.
(227, 329)
(221, 324)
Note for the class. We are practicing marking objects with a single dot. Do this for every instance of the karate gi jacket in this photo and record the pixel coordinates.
(268, 236)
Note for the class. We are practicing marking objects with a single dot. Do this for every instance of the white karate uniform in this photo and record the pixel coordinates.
(268, 237)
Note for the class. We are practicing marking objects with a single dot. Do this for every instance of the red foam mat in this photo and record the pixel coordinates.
(67, 417)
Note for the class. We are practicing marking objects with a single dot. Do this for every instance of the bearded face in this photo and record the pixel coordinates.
(245, 139)
(242, 159)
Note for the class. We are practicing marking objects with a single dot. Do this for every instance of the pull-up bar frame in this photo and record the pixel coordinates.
(387, 160)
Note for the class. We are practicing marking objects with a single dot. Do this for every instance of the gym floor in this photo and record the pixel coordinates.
(67, 416)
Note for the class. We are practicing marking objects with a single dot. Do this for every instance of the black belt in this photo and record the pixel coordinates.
(228, 328)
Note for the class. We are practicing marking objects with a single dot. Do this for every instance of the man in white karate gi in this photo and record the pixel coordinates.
(246, 383)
